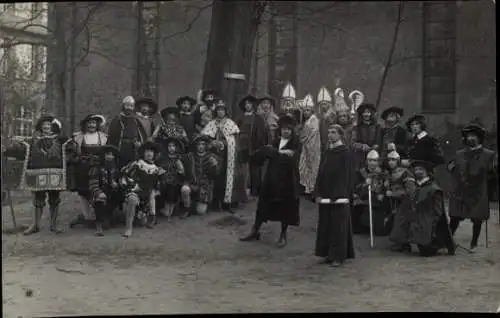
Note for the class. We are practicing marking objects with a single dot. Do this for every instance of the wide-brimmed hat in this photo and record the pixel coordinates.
(169, 110)
(268, 98)
(56, 124)
(98, 118)
(361, 109)
(429, 166)
(148, 101)
(110, 148)
(182, 99)
(179, 144)
(418, 118)
(286, 121)
(207, 92)
(475, 129)
(250, 98)
(148, 145)
(391, 110)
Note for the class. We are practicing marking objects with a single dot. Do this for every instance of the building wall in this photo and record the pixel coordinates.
(344, 46)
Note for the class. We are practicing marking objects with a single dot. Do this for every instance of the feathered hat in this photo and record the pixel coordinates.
(182, 99)
(147, 101)
(392, 110)
(56, 124)
(250, 98)
(169, 110)
(101, 121)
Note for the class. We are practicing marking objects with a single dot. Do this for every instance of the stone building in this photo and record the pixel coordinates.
(444, 64)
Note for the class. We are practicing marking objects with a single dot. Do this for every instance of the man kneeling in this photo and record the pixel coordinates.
(104, 187)
(141, 182)
(201, 170)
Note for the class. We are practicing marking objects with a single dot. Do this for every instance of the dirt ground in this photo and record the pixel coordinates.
(192, 266)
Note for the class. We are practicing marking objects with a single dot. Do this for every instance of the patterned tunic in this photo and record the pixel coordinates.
(310, 154)
(201, 171)
(172, 179)
(102, 179)
(167, 130)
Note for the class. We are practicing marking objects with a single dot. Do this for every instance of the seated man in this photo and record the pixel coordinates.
(200, 172)
(105, 193)
(140, 180)
(370, 175)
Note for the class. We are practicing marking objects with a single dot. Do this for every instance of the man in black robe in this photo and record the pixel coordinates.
(279, 196)
(333, 193)
(470, 169)
(394, 137)
(253, 135)
(186, 118)
(422, 146)
(126, 132)
(366, 135)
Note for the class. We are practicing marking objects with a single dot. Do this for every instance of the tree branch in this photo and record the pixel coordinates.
(391, 53)
(189, 25)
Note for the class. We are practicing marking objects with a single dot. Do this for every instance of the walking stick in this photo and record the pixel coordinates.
(370, 210)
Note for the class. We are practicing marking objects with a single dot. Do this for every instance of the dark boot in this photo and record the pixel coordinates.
(54, 213)
(476, 231)
(35, 223)
(253, 236)
(454, 223)
(282, 241)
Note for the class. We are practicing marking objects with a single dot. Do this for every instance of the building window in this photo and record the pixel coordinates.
(24, 58)
(439, 61)
(23, 122)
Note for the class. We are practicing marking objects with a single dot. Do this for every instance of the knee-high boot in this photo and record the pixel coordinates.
(454, 223)
(54, 213)
(35, 222)
(282, 241)
(476, 231)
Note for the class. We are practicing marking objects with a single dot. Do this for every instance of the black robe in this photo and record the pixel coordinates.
(429, 228)
(334, 236)
(427, 149)
(123, 132)
(186, 120)
(257, 137)
(469, 198)
(279, 197)
(365, 134)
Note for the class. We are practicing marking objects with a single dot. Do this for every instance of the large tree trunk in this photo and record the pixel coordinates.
(230, 47)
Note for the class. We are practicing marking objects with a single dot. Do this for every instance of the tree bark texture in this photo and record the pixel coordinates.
(230, 47)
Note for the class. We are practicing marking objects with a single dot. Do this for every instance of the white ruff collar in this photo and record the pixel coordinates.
(149, 168)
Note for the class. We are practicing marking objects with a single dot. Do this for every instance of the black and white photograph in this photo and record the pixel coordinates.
(225, 157)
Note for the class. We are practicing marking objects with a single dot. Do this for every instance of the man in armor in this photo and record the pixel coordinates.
(201, 169)
(370, 175)
(126, 132)
(44, 170)
(141, 181)
(470, 170)
(104, 187)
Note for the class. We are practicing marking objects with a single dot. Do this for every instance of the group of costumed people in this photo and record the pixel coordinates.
(198, 158)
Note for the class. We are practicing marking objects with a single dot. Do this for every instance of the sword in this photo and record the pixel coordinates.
(370, 210)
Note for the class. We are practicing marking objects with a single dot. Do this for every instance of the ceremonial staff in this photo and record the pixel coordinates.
(370, 211)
